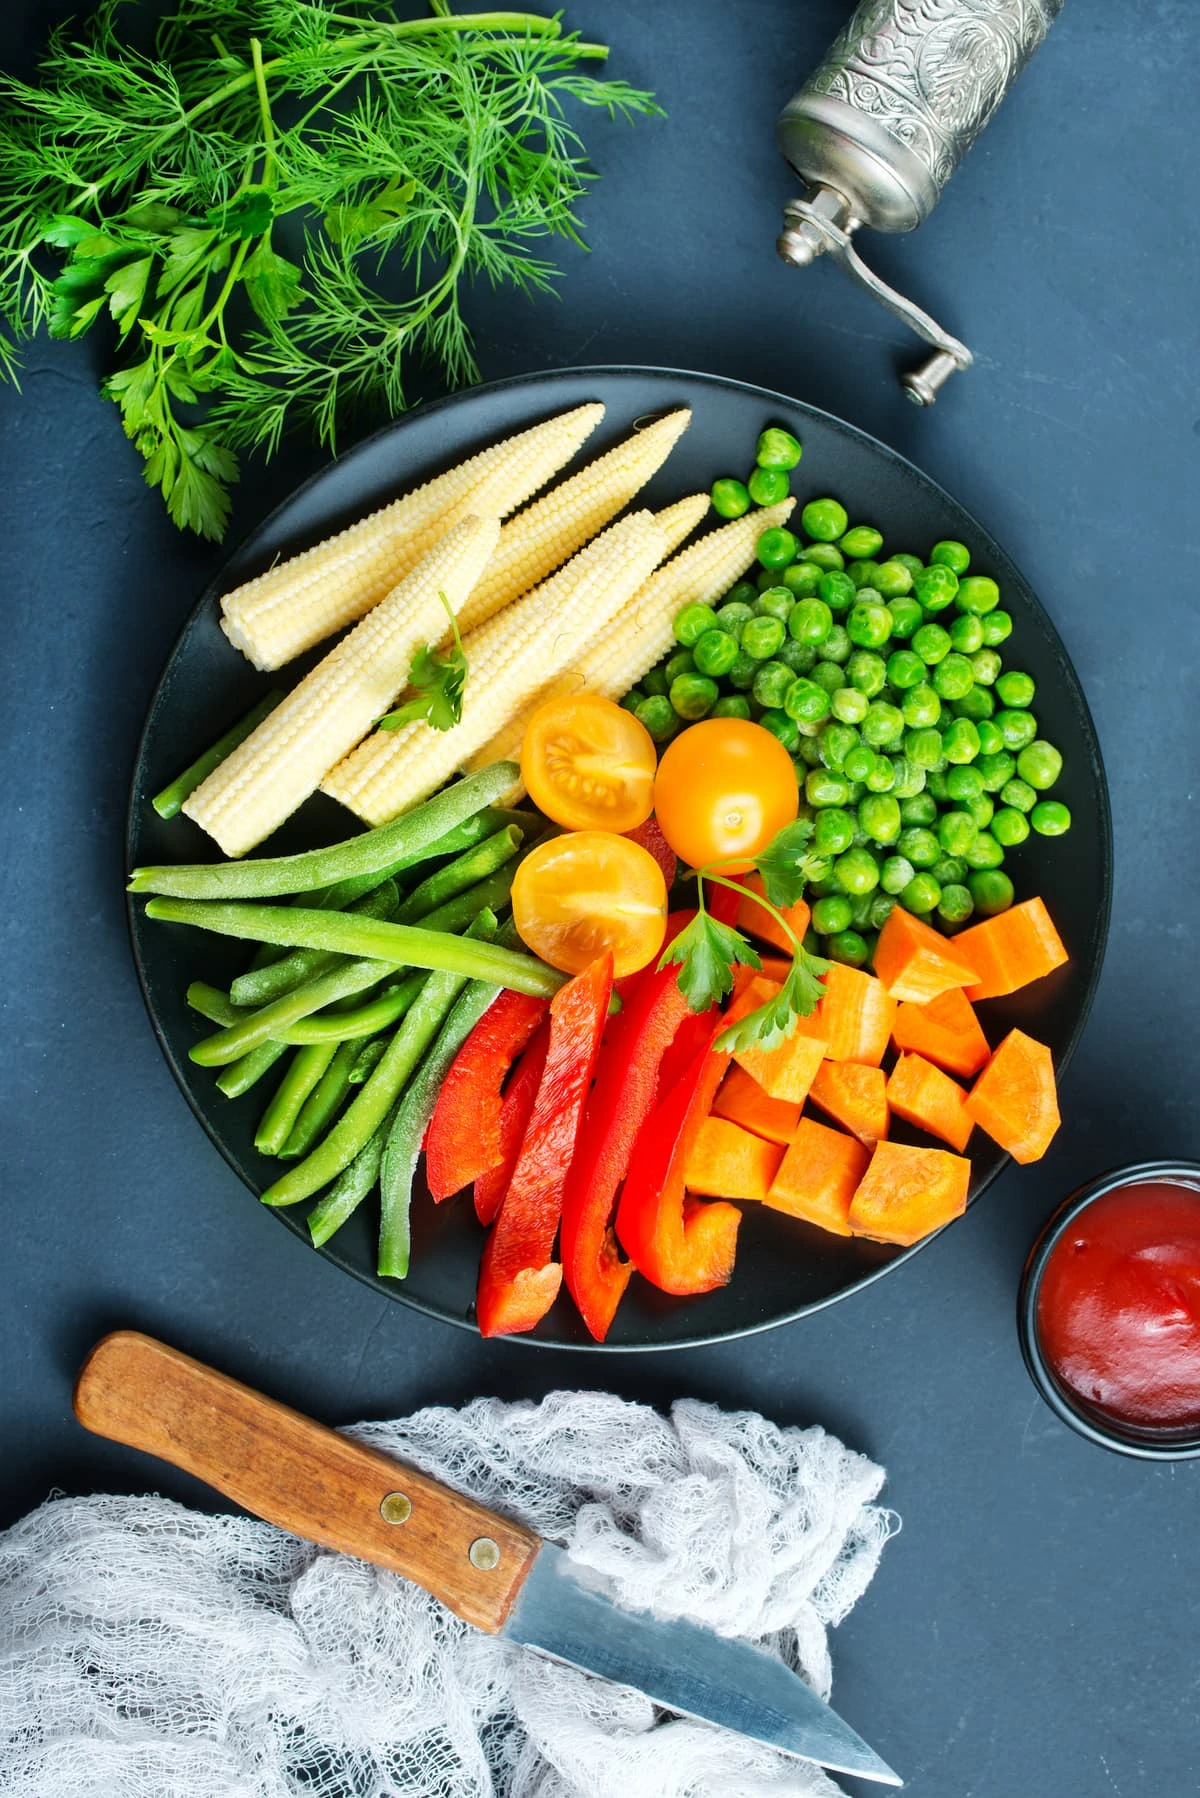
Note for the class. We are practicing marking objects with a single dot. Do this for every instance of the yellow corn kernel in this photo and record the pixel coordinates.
(508, 658)
(285, 611)
(541, 538)
(284, 760)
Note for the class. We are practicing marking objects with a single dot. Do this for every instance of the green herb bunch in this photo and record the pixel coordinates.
(277, 208)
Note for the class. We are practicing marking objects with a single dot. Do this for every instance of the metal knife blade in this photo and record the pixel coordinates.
(683, 1668)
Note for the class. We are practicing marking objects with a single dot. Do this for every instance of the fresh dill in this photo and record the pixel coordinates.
(278, 206)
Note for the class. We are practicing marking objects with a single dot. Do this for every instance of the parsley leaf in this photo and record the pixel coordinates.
(787, 864)
(771, 1023)
(272, 284)
(439, 679)
(707, 952)
(248, 214)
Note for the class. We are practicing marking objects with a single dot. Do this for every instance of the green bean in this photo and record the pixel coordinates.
(490, 894)
(349, 1189)
(411, 1121)
(472, 830)
(414, 835)
(169, 802)
(307, 1067)
(379, 1093)
(367, 1060)
(241, 1075)
(323, 1103)
(457, 876)
(262, 985)
(271, 1022)
(335, 1026)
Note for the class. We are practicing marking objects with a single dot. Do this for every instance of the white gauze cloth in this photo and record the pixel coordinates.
(147, 1651)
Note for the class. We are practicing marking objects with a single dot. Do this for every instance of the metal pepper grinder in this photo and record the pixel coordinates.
(878, 130)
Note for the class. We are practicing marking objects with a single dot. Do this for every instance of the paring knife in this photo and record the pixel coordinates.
(492, 1572)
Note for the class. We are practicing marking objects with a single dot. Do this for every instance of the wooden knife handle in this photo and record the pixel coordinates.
(309, 1480)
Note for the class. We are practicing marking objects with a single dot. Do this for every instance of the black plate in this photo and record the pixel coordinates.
(784, 1268)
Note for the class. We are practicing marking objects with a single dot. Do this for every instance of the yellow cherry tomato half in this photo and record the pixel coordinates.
(586, 892)
(725, 787)
(588, 764)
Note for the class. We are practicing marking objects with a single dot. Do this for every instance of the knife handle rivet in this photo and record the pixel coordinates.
(395, 1507)
(484, 1554)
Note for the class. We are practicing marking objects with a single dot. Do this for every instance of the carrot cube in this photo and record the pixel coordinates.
(906, 1193)
(945, 1031)
(743, 1101)
(818, 1177)
(1015, 1099)
(786, 1071)
(727, 1162)
(757, 921)
(855, 1096)
(915, 963)
(1011, 949)
(930, 1099)
(855, 1017)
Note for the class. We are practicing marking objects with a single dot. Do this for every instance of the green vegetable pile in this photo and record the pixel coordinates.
(919, 757)
(278, 206)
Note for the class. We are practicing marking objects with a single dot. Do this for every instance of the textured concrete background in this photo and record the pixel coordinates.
(1032, 1630)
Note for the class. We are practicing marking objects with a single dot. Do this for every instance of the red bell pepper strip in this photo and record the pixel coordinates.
(463, 1139)
(518, 1282)
(648, 836)
(680, 1244)
(516, 1108)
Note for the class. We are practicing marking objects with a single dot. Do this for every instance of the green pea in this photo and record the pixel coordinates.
(952, 676)
(715, 653)
(997, 626)
(995, 770)
(921, 708)
(862, 573)
(801, 579)
(809, 750)
(883, 724)
(931, 643)
(892, 579)
(731, 705)
(833, 832)
(837, 590)
(882, 907)
(777, 448)
(991, 737)
(914, 564)
(881, 776)
(658, 716)
(656, 682)
(733, 615)
(923, 748)
(879, 817)
(896, 873)
(859, 761)
(1050, 818)
(921, 808)
(741, 675)
(776, 547)
(849, 948)
(1019, 728)
(1018, 794)
(907, 617)
(949, 871)
(837, 646)
(823, 787)
(761, 637)
(1010, 827)
(961, 742)
(691, 624)
(986, 666)
(956, 832)
(801, 658)
(976, 703)
(909, 780)
(935, 782)
(978, 594)
(867, 672)
(824, 519)
(810, 621)
(1015, 688)
(774, 602)
(768, 486)
(983, 810)
(856, 871)
(966, 634)
(693, 696)
(743, 592)
(920, 846)
(827, 556)
(832, 914)
(771, 684)
(921, 894)
(868, 624)
(861, 540)
(632, 700)
(964, 783)
(828, 676)
(837, 740)
(780, 726)
(984, 852)
(956, 904)
(991, 890)
(730, 499)
(950, 553)
(1039, 763)
(936, 587)
(849, 705)
(905, 669)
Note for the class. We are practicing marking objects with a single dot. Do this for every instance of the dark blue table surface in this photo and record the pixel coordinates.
(1033, 1629)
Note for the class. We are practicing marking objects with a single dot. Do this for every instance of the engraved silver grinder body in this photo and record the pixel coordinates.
(877, 131)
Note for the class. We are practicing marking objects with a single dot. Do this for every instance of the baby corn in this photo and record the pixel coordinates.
(273, 772)
(508, 659)
(282, 613)
(541, 538)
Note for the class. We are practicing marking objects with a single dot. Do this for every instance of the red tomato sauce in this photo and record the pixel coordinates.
(1119, 1306)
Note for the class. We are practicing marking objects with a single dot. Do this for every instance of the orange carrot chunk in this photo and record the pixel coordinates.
(743, 1101)
(855, 1096)
(1011, 949)
(786, 1071)
(908, 1192)
(945, 1031)
(757, 921)
(914, 962)
(929, 1099)
(727, 1162)
(855, 1017)
(1015, 1098)
(818, 1176)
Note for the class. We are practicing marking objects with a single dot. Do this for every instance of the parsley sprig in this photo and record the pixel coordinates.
(278, 209)
(707, 951)
(438, 679)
